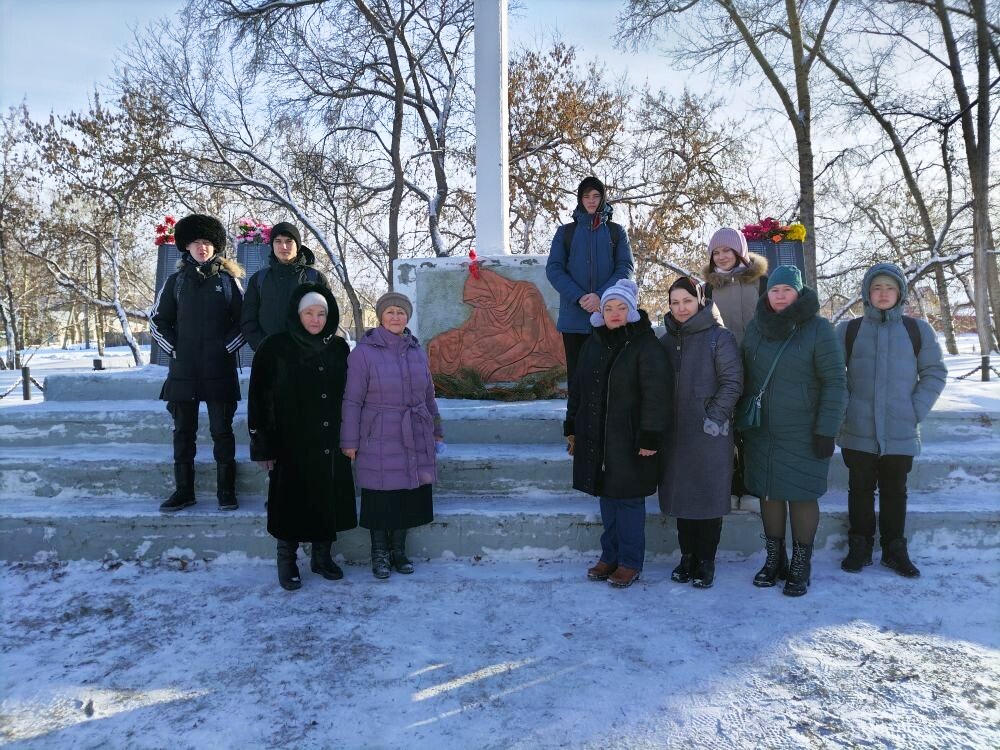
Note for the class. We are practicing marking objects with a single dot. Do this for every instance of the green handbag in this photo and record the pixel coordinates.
(748, 408)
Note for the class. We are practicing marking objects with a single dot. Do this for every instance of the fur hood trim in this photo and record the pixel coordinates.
(757, 269)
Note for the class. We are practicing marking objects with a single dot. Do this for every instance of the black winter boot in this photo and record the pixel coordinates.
(799, 570)
(397, 542)
(776, 564)
(323, 563)
(226, 485)
(895, 556)
(704, 575)
(183, 496)
(682, 573)
(288, 571)
(859, 553)
(380, 553)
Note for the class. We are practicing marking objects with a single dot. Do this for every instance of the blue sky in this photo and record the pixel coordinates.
(53, 52)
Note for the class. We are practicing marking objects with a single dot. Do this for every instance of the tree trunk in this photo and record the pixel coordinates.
(944, 305)
(99, 323)
(70, 323)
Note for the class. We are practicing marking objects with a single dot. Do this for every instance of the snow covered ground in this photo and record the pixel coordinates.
(512, 654)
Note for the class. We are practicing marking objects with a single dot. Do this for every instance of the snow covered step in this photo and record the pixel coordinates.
(147, 421)
(147, 469)
(524, 527)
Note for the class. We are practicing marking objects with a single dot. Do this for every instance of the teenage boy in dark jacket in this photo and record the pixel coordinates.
(196, 321)
(265, 307)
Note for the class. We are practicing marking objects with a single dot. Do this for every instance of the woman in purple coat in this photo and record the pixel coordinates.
(391, 428)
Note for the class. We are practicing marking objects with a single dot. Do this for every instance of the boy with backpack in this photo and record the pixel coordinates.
(265, 309)
(586, 258)
(196, 321)
(895, 373)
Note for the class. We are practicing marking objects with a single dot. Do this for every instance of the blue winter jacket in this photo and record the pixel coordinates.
(889, 390)
(589, 267)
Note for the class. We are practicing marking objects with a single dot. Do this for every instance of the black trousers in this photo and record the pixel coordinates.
(888, 473)
(572, 343)
(699, 537)
(220, 424)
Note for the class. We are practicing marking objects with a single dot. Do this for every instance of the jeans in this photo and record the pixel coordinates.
(699, 537)
(220, 424)
(624, 539)
(888, 473)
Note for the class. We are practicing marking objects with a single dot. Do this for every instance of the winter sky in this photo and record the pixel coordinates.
(53, 52)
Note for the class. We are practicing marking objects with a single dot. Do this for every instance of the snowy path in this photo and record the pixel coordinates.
(469, 654)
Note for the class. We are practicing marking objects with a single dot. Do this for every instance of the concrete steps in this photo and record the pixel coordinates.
(490, 526)
(146, 469)
(82, 475)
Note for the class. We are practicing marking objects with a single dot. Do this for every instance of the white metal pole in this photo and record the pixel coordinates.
(492, 186)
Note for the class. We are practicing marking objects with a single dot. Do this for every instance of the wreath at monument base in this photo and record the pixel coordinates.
(469, 384)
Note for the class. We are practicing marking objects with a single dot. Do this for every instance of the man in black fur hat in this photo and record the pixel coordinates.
(196, 321)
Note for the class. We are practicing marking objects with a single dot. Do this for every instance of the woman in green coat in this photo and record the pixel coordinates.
(788, 454)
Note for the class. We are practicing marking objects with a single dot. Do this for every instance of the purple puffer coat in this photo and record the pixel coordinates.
(389, 412)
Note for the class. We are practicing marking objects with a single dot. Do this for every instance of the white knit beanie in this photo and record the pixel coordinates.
(628, 292)
(313, 298)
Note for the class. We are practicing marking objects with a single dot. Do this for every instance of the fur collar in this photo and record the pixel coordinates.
(756, 269)
(211, 266)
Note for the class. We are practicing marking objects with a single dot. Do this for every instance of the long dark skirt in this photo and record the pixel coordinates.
(397, 509)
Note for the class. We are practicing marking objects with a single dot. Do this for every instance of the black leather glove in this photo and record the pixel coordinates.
(823, 446)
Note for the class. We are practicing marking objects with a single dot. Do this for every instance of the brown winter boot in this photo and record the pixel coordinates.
(601, 571)
(623, 577)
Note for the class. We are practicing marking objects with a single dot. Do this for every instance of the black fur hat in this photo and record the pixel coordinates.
(200, 227)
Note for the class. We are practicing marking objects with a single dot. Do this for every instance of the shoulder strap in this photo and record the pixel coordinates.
(853, 326)
(311, 274)
(177, 288)
(913, 331)
(616, 233)
(568, 230)
(775, 362)
(762, 285)
(259, 278)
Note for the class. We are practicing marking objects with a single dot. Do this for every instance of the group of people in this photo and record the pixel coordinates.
(314, 404)
(746, 392)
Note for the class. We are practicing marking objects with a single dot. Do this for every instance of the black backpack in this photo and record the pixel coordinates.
(569, 229)
(855, 325)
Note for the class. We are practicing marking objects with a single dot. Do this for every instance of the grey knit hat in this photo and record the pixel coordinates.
(393, 299)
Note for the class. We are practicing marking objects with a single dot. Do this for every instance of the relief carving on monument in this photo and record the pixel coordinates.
(509, 335)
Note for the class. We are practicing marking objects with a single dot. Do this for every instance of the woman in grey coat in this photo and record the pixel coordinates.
(698, 465)
(895, 373)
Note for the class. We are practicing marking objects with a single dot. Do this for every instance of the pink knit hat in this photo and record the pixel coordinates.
(733, 239)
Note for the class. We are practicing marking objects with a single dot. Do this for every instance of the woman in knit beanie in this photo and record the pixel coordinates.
(391, 429)
(698, 462)
(615, 418)
(801, 407)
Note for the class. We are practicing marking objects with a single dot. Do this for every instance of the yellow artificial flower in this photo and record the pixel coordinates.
(796, 232)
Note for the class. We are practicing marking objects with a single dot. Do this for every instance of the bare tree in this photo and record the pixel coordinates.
(111, 161)
(18, 211)
(775, 33)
